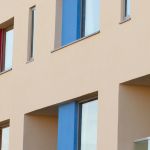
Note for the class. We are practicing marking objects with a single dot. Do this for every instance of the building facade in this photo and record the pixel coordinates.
(74, 75)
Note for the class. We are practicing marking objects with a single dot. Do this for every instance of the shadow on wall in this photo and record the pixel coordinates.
(40, 132)
(41, 126)
(134, 115)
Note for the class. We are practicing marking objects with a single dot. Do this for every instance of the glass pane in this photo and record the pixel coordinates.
(33, 30)
(92, 8)
(142, 145)
(89, 125)
(9, 49)
(128, 8)
(5, 139)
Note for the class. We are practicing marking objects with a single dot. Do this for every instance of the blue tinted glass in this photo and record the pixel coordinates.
(128, 8)
(92, 13)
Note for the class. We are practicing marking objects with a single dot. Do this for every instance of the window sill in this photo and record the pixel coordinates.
(5, 71)
(75, 41)
(126, 19)
(30, 61)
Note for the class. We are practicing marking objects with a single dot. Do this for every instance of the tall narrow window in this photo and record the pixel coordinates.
(88, 125)
(4, 138)
(90, 17)
(7, 49)
(32, 33)
(127, 9)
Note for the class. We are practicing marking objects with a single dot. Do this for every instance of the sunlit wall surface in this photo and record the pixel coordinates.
(5, 139)
(9, 49)
(89, 125)
(92, 13)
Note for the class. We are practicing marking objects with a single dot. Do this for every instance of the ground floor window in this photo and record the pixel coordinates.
(88, 115)
(4, 138)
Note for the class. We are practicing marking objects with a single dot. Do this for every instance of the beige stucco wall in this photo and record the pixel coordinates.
(40, 132)
(134, 115)
(99, 63)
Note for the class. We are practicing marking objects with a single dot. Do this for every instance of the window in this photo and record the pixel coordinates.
(4, 138)
(6, 52)
(88, 114)
(32, 33)
(90, 17)
(80, 18)
(127, 9)
(142, 144)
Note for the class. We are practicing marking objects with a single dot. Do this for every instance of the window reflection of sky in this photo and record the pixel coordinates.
(89, 126)
(9, 49)
(5, 139)
(128, 7)
(92, 14)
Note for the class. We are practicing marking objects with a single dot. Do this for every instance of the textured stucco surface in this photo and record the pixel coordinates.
(100, 63)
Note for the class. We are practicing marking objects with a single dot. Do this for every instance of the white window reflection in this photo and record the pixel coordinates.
(127, 3)
(92, 13)
(5, 139)
(89, 125)
(9, 49)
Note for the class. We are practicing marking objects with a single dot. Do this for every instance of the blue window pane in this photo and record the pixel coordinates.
(92, 13)
(71, 21)
(89, 125)
(9, 49)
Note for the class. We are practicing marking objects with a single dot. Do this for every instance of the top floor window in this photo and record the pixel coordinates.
(6, 51)
(32, 33)
(127, 9)
(80, 18)
(30, 52)
(90, 17)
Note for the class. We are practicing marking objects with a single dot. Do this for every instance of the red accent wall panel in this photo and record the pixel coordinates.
(1, 31)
